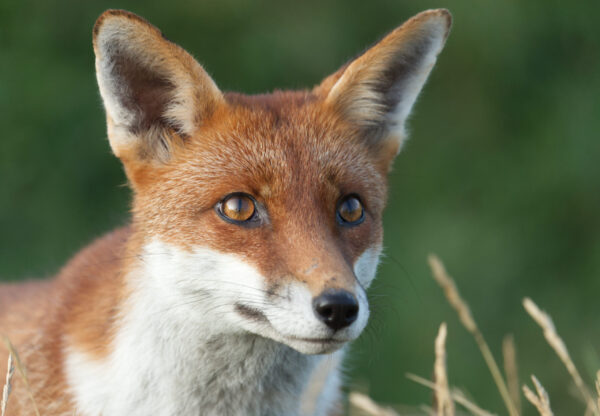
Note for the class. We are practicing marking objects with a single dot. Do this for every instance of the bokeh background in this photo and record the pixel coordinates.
(501, 176)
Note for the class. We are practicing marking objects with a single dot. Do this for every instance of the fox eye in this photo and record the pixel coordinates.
(237, 208)
(350, 211)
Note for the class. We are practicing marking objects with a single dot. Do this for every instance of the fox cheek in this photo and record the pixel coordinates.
(365, 266)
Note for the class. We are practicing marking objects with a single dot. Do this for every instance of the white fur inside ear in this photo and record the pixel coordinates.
(407, 94)
(107, 83)
(151, 88)
(119, 39)
(379, 89)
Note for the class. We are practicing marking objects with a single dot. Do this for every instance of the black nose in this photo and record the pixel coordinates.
(336, 308)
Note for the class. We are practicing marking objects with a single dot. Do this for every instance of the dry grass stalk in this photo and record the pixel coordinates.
(598, 387)
(541, 401)
(22, 372)
(444, 403)
(460, 398)
(557, 344)
(509, 354)
(366, 405)
(464, 314)
(456, 395)
(6, 391)
(427, 410)
(451, 292)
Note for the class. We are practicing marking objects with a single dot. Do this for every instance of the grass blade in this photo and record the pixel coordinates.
(22, 372)
(365, 404)
(541, 401)
(509, 355)
(466, 318)
(6, 391)
(559, 347)
(444, 404)
(455, 394)
(598, 387)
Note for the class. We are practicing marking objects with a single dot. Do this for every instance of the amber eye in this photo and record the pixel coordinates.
(350, 211)
(237, 208)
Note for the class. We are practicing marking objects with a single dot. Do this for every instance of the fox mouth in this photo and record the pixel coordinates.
(251, 313)
(258, 316)
(329, 340)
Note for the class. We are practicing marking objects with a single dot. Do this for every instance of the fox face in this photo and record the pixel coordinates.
(291, 204)
(259, 214)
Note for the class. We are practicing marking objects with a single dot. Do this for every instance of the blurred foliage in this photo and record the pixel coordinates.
(501, 176)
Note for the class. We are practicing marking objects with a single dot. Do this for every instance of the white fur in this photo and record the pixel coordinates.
(365, 267)
(182, 349)
(122, 36)
(291, 316)
(413, 84)
(324, 387)
(359, 92)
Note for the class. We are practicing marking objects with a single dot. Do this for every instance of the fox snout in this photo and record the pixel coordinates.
(336, 308)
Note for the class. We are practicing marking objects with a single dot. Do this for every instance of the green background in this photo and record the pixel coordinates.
(501, 176)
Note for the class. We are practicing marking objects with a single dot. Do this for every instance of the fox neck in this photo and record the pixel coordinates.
(178, 355)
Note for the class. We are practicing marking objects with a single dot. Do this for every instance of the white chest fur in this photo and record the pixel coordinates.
(174, 354)
(172, 372)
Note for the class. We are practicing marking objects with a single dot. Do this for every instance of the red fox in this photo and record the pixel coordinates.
(255, 231)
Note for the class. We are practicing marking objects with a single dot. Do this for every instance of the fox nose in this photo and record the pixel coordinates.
(336, 308)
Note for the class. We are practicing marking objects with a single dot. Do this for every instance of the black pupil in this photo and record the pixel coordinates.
(351, 210)
(237, 208)
(236, 204)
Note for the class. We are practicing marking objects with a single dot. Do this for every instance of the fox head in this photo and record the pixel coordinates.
(260, 214)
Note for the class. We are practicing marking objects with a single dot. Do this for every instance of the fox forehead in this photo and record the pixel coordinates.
(290, 153)
(285, 155)
(277, 145)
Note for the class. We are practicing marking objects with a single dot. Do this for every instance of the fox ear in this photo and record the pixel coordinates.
(155, 94)
(377, 90)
